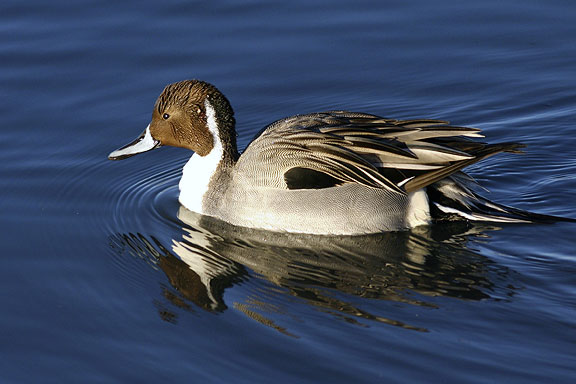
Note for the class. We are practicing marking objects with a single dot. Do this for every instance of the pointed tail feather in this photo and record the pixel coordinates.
(452, 199)
(487, 150)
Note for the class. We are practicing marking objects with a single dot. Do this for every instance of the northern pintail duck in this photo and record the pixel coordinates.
(333, 172)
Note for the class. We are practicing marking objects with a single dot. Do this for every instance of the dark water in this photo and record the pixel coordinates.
(104, 279)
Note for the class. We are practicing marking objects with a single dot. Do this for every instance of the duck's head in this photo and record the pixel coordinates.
(190, 114)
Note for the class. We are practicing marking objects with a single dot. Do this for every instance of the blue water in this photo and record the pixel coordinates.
(105, 280)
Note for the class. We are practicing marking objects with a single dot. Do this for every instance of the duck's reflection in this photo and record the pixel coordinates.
(325, 271)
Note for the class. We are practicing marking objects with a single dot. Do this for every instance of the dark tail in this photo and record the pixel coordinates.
(453, 199)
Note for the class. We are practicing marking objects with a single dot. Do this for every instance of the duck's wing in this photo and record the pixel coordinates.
(321, 150)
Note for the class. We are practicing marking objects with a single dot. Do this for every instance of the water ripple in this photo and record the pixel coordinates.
(147, 197)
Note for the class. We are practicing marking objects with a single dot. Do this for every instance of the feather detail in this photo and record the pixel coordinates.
(401, 156)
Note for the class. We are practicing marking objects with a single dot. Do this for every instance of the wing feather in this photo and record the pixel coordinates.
(399, 155)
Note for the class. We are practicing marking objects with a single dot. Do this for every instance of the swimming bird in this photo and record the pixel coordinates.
(335, 172)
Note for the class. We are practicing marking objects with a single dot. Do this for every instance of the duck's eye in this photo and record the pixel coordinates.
(165, 116)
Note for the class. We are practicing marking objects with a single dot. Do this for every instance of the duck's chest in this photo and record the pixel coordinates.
(202, 179)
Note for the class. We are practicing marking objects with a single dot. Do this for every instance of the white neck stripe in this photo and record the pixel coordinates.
(199, 170)
(212, 126)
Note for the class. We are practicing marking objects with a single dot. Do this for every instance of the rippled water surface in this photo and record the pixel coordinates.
(105, 279)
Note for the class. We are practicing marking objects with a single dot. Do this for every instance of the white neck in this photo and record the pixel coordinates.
(199, 170)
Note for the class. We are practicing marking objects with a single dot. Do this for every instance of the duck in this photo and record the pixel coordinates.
(326, 173)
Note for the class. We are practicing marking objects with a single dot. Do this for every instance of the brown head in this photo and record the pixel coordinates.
(182, 117)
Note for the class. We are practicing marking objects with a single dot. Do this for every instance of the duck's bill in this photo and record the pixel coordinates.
(144, 142)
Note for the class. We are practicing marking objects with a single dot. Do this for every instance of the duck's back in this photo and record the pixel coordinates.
(316, 142)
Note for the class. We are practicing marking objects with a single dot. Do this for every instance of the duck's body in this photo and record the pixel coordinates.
(346, 209)
(334, 172)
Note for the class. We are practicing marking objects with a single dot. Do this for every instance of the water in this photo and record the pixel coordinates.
(104, 279)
